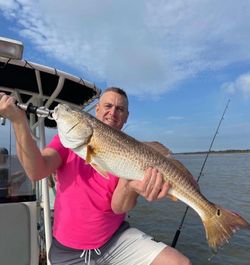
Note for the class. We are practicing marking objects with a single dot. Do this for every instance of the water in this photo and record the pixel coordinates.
(225, 181)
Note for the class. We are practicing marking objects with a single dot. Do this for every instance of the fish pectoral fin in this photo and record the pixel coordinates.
(172, 197)
(89, 153)
(100, 170)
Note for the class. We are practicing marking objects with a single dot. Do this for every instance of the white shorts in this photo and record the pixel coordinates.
(129, 247)
(133, 247)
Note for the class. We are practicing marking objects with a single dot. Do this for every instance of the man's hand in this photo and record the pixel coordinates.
(152, 187)
(9, 110)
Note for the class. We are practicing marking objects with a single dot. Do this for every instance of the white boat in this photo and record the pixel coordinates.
(25, 223)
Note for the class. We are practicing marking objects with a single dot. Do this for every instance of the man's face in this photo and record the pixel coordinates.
(112, 109)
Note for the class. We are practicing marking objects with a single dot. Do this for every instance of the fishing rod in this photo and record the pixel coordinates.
(178, 231)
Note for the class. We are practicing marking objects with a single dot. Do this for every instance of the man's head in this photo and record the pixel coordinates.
(112, 108)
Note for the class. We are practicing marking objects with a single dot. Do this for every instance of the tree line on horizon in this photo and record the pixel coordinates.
(218, 151)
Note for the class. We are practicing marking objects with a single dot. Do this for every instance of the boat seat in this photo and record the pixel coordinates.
(15, 245)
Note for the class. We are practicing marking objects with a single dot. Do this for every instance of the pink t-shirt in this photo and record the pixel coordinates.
(83, 218)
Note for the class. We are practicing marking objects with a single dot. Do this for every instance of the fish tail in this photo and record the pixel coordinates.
(221, 226)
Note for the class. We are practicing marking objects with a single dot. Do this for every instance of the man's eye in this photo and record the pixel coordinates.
(120, 109)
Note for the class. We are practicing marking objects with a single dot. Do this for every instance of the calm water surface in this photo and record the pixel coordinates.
(225, 181)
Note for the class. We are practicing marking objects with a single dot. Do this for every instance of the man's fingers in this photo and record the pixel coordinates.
(164, 191)
(151, 184)
(145, 184)
(155, 185)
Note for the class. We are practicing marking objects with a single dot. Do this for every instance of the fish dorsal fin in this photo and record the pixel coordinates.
(167, 153)
(159, 148)
(185, 171)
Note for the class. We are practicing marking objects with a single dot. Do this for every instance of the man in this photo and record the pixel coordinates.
(89, 225)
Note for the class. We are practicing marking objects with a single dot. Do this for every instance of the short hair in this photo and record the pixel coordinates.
(117, 90)
(3, 151)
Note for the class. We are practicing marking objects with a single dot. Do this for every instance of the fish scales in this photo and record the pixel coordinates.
(125, 149)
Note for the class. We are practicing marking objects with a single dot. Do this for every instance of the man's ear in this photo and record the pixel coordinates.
(97, 108)
(126, 117)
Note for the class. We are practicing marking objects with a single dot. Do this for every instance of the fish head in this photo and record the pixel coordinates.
(73, 127)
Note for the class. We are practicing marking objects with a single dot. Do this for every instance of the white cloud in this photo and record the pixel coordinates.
(175, 118)
(240, 85)
(8, 5)
(147, 47)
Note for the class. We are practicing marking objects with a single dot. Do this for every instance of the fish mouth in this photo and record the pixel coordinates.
(55, 113)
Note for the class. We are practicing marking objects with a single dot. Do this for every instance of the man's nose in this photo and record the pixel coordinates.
(112, 110)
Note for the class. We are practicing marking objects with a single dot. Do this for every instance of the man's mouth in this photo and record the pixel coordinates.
(110, 120)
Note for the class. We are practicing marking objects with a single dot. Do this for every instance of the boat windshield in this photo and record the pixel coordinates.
(15, 186)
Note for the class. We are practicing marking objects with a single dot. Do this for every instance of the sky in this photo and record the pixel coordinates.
(179, 61)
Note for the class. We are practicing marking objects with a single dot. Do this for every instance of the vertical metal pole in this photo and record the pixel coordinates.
(45, 195)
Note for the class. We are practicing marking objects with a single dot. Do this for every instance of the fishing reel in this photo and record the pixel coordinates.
(41, 112)
(2, 120)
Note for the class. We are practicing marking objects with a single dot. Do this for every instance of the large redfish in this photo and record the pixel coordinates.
(110, 150)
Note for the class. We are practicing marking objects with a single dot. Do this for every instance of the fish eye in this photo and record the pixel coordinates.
(218, 212)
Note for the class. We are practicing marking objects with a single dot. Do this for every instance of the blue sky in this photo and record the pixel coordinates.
(180, 61)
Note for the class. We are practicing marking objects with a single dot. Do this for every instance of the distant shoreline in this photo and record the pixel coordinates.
(229, 151)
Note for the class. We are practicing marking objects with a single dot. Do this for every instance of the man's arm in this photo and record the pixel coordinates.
(36, 164)
(152, 187)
